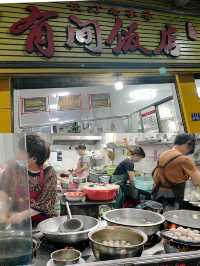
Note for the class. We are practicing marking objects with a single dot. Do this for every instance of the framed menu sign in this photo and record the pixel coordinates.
(34, 105)
(149, 120)
(69, 102)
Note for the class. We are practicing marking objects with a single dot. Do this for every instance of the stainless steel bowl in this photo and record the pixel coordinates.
(103, 251)
(147, 221)
(65, 257)
(50, 229)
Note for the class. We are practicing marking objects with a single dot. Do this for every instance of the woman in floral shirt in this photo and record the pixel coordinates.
(42, 181)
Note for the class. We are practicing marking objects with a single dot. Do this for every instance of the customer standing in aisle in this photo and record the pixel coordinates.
(173, 169)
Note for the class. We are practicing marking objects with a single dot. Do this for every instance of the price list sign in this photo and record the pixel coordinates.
(149, 120)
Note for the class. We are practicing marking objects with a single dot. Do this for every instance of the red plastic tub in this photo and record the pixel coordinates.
(101, 193)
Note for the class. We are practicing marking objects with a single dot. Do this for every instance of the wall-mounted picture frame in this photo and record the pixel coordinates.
(34, 105)
(99, 100)
(69, 102)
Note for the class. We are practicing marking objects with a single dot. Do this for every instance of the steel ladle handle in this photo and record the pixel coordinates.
(68, 210)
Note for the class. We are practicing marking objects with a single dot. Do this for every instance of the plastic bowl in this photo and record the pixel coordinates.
(74, 196)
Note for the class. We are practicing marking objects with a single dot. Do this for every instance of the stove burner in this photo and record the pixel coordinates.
(152, 241)
(51, 247)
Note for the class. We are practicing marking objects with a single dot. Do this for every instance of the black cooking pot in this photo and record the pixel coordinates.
(150, 205)
(175, 245)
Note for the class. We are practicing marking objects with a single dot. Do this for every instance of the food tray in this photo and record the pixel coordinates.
(70, 196)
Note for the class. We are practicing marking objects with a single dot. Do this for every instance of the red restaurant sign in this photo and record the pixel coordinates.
(40, 39)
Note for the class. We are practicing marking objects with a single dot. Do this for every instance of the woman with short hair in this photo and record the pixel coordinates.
(41, 177)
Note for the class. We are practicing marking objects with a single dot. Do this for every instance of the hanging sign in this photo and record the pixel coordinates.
(88, 33)
(149, 119)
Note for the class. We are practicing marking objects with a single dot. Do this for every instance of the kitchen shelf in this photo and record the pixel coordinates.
(73, 138)
(154, 143)
(86, 203)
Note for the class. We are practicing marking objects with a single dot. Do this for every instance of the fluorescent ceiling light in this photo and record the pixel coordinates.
(53, 106)
(119, 85)
(61, 94)
(66, 122)
(54, 119)
(142, 95)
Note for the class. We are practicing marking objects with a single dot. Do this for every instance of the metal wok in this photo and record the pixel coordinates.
(185, 218)
(50, 229)
(147, 221)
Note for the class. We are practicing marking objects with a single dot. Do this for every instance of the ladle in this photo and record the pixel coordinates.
(71, 224)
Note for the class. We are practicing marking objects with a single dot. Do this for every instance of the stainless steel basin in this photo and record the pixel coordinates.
(147, 221)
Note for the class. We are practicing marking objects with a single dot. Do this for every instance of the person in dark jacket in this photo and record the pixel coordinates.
(126, 167)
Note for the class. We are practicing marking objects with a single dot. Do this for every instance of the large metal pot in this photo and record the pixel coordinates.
(185, 218)
(104, 251)
(50, 229)
(147, 221)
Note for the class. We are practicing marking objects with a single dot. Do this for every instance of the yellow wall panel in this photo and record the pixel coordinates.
(190, 102)
(5, 106)
(5, 121)
(5, 99)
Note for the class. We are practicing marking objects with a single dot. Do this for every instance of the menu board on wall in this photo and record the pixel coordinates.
(70, 102)
(149, 120)
(34, 105)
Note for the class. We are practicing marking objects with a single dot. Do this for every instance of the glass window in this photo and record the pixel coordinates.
(167, 117)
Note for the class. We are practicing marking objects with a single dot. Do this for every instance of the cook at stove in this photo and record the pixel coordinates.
(124, 174)
(83, 164)
(173, 169)
(126, 167)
